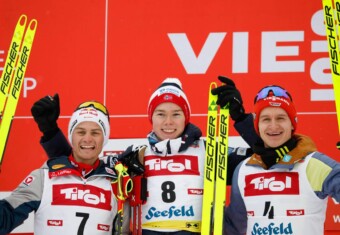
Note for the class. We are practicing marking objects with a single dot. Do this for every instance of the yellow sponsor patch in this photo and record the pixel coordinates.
(58, 166)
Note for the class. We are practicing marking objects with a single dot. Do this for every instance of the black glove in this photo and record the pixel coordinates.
(46, 113)
(228, 93)
(132, 158)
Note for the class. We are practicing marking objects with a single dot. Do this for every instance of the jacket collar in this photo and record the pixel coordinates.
(62, 166)
(305, 146)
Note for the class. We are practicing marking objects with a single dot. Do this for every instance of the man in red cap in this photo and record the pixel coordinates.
(283, 187)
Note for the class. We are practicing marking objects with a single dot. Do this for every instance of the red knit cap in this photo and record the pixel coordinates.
(169, 91)
(275, 97)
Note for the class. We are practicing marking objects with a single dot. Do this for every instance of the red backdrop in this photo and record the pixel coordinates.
(118, 52)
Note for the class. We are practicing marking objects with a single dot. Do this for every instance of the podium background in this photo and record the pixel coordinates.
(118, 52)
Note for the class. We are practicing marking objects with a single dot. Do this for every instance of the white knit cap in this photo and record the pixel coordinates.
(169, 91)
(89, 114)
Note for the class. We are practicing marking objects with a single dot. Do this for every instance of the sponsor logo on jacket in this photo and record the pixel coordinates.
(176, 165)
(81, 195)
(278, 183)
(103, 227)
(28, 180)
(171, 212)
(295, 212)
(272, 229)
(57, 166)
(195, 191)
(57, 223)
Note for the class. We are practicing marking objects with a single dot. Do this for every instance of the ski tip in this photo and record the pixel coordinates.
(33, 24)
(22, 20)
(213, 85)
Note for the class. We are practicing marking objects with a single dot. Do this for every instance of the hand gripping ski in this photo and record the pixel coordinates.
(215, 168)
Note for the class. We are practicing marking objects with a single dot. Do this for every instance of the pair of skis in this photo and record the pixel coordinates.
(215, 168)
(331, 20)
(13, 75)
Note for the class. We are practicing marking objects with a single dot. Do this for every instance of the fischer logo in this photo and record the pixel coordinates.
(272, 229)
(5, 82)
(210, 150)
(103, 227)
(178, 165)
(20, 71)
(221, 170)
(81, 195)
(57, 223)
(272, 183)
(295, 212)
(171, 212)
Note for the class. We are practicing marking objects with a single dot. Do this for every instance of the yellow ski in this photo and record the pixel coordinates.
(13, 54)
(333, 48)
(209, 166)
(19, 65)
(221, 169)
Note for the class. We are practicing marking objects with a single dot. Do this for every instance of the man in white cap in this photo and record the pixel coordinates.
(70, 194)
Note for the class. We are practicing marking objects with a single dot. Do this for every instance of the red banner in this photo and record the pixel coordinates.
(118, 52)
